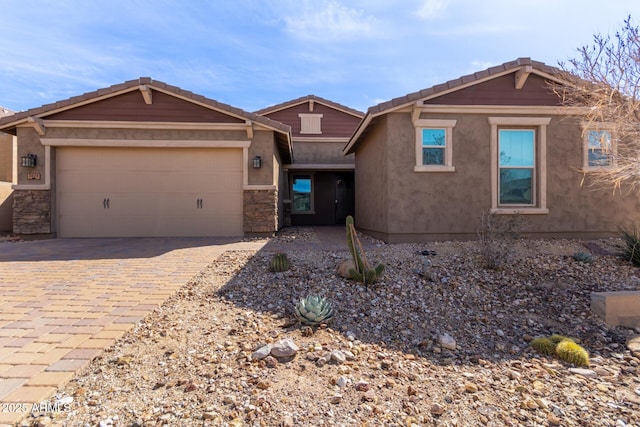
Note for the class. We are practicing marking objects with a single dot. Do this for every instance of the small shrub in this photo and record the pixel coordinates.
(313, 310)
(279, 263)
(631, 239)
(498, 234)
(585, 257)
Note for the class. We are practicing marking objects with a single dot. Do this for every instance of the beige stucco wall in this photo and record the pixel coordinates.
(321, 152)
(263, 145)
(372, 185)
(443, 205)
(29, 143)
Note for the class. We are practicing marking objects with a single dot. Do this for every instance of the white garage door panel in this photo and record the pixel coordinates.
(150, 192)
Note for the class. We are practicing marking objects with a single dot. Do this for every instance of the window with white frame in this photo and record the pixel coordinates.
(519, 165)
(598, 149)
(434, 145)
(302, 191)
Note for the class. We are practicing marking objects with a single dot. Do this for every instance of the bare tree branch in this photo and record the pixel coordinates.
(604, 79)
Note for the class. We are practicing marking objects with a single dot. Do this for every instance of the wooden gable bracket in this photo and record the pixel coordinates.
(311, 106)
(521, 76)
(146, 94)
(249, 124)
(37, 124)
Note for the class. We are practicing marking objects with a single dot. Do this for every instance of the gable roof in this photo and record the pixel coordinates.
(9, 123)
(526, 65)
(314, 98)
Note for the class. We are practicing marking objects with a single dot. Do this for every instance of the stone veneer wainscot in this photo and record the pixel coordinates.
(260, 211)
(31, 211)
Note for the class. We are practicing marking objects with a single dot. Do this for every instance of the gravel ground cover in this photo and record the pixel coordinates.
(447, 349)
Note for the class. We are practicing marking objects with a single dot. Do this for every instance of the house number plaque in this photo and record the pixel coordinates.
(33, 176)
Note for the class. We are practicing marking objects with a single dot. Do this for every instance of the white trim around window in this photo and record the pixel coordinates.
(539, 125)
(438, 125)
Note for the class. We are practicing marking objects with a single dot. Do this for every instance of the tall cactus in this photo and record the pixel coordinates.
(362, 271)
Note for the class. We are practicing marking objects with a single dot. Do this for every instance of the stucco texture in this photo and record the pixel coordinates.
(397, 204)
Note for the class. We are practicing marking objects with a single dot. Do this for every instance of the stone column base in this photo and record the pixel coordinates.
(260, 211)
(32, 211)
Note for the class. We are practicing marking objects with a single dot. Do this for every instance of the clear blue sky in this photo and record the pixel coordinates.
(255, 53)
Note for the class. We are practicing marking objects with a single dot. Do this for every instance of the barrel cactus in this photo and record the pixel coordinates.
(313, 310)
(279, 263)
(564, 348)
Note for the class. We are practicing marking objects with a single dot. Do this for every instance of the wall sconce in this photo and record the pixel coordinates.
(257, 162)
(29, 161)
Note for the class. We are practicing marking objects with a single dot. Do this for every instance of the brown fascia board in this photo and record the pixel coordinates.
(436, 90)
(308, 98)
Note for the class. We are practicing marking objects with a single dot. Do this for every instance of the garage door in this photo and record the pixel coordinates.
(148, 192)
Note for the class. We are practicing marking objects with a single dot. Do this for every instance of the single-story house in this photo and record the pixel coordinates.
(320, 188)
(429, 163)
(144, 158)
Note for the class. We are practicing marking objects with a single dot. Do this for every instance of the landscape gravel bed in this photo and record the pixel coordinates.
(383, 360)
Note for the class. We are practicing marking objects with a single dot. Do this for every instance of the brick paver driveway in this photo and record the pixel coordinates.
(63, 301)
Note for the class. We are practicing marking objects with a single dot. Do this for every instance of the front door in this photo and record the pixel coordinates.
(344, 196)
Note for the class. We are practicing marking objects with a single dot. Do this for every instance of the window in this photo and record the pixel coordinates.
(598, 147)
(434, 150)
(518, 164)
(516, 181)
(310, 123)
(302, 186)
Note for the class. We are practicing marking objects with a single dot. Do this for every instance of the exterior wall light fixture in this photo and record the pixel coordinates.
(29, 161)
(257, 162)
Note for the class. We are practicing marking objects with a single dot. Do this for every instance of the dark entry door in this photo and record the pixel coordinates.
(344, 200)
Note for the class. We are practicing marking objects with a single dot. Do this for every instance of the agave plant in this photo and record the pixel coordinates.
(585, 257)
(314, 310)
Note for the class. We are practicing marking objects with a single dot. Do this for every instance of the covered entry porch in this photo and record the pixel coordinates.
(319, 197)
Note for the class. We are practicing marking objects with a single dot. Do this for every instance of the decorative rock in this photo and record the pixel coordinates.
(349, 355)
(447, 341)
(588, 373)
(287, 421)
(341, 382)
(470, 388)
(261, 353)
(322, 361)
(437, 409)
(284, 348)
(336, 398)
(209, 416)
(343, 268)
(634, 345)
(370, 396)
(362, 386)
(338, 357)
(270, 362)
